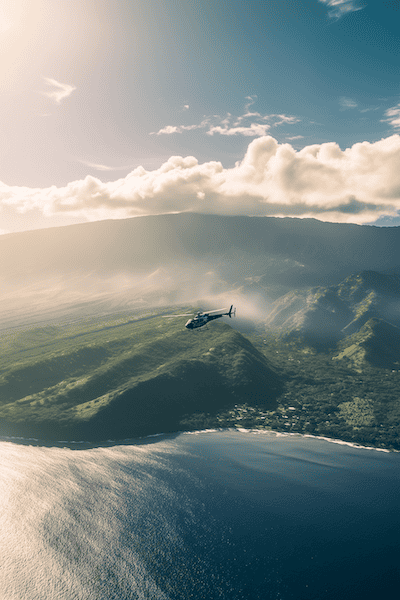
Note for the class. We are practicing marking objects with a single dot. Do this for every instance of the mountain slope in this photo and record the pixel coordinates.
(182, 258)
(377, 342)
(323, 315)
(315, 249)
(125, 378)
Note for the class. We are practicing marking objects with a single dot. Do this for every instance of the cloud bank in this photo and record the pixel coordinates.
(356, 185)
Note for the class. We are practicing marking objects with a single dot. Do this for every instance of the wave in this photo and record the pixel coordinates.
(289, 434)
(84, 444)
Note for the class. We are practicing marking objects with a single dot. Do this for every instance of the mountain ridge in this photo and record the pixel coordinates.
(181, 258)
(377, 342)
(143, 242)
(134, 378)
(327, 314)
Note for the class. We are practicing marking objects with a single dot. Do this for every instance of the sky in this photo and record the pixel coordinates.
(120, 108)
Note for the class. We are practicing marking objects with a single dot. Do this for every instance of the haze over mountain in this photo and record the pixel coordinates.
(185, 258)
(137, 244)
(324, 315)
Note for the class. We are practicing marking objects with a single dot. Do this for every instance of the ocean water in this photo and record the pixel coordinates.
(227, 515)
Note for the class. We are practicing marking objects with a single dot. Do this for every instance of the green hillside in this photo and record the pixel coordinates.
(377, 342)
(124, 376)
(322, 316)
(356, 401)
(326, 361)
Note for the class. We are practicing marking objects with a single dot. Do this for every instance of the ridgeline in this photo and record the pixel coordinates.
(122, 377)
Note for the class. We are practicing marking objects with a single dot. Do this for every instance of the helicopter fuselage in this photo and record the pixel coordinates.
(202, 319)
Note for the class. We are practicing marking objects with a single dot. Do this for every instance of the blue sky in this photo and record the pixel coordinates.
(280, 107)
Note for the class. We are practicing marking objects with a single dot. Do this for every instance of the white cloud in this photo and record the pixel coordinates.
(168, 129)
(356, 185)
(338, 8)
(252, 130)
(249, 124)
(59, 91)
(347, 103)
(393, 116)
(180, 128)
(100, 167)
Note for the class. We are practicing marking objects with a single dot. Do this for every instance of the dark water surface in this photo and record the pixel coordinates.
(234, 515)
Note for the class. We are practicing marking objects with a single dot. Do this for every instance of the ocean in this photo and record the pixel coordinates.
(214, 515)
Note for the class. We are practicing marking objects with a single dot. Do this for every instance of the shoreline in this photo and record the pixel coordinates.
(152, 438)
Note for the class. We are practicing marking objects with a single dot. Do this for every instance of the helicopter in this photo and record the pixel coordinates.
(202, 318)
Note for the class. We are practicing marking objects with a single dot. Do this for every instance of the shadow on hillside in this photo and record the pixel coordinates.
(162, 406)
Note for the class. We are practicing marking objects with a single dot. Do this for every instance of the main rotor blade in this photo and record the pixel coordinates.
(219, 310)
(182, 315)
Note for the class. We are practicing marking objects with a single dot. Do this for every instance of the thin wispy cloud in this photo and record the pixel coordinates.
(356, 185)
(105, 168)
(369, 109)
(339, 8)
(393, 116)
(59, 90)
(346, 103)
(180, 128)
(249, 124)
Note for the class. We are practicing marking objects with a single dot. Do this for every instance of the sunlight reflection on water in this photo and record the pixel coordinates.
(63, 513)
(214, 515)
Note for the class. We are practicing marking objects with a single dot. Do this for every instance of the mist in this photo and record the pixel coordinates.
(174, 288)
(187, 261)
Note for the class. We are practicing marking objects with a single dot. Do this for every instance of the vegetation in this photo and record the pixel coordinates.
(328, 365)
(125, 376)
(322, 397)
(358, 402)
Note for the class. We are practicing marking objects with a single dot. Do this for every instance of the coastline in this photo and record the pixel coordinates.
(152, 438)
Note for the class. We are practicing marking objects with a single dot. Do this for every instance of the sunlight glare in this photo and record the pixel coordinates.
(11, 12)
